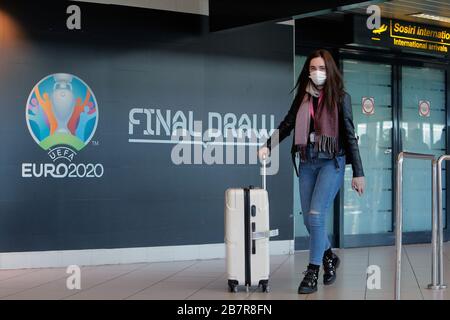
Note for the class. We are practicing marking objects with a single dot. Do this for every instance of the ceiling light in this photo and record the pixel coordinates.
(431, 17)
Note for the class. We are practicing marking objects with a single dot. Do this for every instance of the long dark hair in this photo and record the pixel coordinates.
(333, 90)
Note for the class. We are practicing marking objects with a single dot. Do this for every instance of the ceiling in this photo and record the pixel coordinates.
(227, 14)
(394, 9)
(401, 10)
(186, 6)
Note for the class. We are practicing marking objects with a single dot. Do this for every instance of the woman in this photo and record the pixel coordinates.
(324, 140)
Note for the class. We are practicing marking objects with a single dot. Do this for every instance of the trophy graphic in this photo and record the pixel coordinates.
(63, 101)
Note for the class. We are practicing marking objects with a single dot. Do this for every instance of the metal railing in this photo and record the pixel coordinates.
(440, 222)
(437, 226)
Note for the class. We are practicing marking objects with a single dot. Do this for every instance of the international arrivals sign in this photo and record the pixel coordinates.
(403, 35)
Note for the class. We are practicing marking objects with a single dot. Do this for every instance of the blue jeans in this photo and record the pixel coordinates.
(319, 182)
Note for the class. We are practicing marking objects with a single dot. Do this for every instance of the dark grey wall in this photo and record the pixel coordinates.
(134, 58)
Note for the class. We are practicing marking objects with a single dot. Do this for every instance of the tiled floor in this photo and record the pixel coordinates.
(204, 280)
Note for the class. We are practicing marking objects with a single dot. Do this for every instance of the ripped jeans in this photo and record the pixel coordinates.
(319, 182)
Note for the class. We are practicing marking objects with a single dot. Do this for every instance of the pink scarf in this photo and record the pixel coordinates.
(326, 124)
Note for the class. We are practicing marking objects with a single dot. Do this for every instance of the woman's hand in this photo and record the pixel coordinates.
(263, 153)
(359, 184)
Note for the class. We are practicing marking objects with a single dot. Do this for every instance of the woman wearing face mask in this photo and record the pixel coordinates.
(324, 140)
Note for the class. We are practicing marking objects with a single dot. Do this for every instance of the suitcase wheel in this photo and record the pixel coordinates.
(264, 285)
(232, 286)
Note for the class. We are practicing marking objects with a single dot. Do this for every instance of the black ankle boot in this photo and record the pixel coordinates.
(309, 283)
(330, 264)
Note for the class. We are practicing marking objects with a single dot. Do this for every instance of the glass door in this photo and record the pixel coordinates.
(423, 119)
(368, 219)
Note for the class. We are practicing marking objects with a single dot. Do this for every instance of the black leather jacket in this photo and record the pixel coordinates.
(347, 137)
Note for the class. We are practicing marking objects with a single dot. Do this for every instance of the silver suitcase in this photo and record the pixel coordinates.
(247, 237)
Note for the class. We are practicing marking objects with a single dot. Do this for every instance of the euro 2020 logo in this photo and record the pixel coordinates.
(62, 116)
(62, 110)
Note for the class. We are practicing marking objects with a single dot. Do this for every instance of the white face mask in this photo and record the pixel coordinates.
(318, 77)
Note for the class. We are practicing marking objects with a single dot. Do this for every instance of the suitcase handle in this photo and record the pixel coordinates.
(264, 234)
(264, 173)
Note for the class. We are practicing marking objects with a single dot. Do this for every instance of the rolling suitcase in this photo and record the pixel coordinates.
(247, 236)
